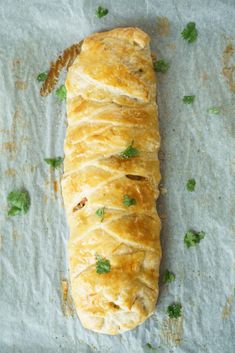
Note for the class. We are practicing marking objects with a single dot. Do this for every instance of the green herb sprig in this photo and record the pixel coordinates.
(100, 213)
(161, 66)
(54, 162)
(61, 92)
(128, 201)
(214, 110)
(101, 12)
(190, 32)
(42, 76)
(191, 184)
(130, 151)
(102, 265)
(19, 202)
(188, 99)
(174, 310)
(168, 277)
(193, 238)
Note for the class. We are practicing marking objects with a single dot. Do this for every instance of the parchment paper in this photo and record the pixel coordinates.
(35, 310)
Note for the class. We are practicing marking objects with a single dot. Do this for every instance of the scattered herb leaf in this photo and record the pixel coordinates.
(174, 310)
(130, 151)
(61, 92)
(19, 202)
(128, 201)
(190, 33)
(191, 183)
(54, 162)
(192, 238)
(42, 76)
(161, 66)
(214, 110)
(168, 277)
(100, 213)
(188, 99)
(149, 345)
(102, 264)
(101, 12)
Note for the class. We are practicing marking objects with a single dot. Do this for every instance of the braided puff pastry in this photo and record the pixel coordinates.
(111, 176)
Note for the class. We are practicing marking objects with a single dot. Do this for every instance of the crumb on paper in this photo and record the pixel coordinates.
(55, 186)
(227, 308)
(21, 85)
(228, 69)
(163, 26)
(10, 172)
(172, 331)
(66, 299)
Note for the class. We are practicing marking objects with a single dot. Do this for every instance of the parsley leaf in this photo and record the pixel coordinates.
(54, 162)
(174, 310)
(100, 213)
(168, 277)
(101, 12)
(161, 66)
(42, 77)
(188, 99)
(214, 110)
(128, 201)
(102, 264)
(190, 33)
(130, 151)
(61, 92)
(19, 202)
(191, 183)
(192, 238)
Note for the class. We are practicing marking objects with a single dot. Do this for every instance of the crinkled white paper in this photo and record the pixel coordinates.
(35, 314)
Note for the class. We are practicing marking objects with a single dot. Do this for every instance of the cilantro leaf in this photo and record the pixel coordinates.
(61, 92)
(168, 277)
(188, 99)
(102, 264)
(42, 77)
(214, 110)
(19, 202)
(192, 238)
(191, 183)
(174, 310)
(190, 33)
(101, 12)
(130, 151)
(128, 201)
(54, 162)
(161, 66)
(100, 213)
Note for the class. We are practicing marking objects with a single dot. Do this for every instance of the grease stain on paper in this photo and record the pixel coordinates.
(172, 331)
(227, 308)
(163, 26)
(21, 85)
(228, 69)
(66, 299)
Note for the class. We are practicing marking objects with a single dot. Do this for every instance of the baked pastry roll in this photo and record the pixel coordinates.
(110, 182)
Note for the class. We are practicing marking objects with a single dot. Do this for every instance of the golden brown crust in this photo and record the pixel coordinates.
(111, 93)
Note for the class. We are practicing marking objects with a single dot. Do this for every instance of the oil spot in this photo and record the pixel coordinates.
(172, 331)
(10, 172)
(66, 299)
(227, 309)
(171, 46)
(9, 147)
(229, 68)
(163, 26)
(16, 63)
(204, 76)
(21, 85)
